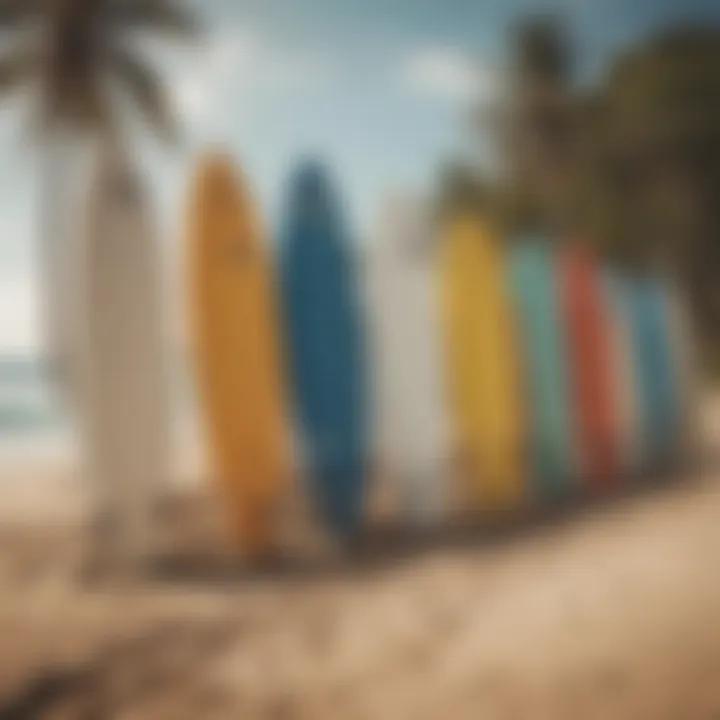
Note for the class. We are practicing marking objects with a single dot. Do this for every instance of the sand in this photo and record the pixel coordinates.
(606, 613)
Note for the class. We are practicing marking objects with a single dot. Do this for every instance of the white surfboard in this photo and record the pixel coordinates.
(412, 427)
(122, 369)
(68, 167)
(624, 373)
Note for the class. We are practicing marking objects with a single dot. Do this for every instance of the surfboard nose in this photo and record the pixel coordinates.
(312, 191)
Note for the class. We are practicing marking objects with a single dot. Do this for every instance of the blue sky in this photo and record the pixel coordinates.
(379, 87)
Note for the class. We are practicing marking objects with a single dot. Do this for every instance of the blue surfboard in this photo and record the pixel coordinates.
(325, 345)
(659, 410)
(544, 360)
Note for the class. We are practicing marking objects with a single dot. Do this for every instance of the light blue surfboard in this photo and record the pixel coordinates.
(542, 346)
(659, 411)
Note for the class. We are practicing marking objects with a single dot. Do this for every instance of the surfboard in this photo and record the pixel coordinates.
(412, 425)
(685, 357)
(483, 373)
(71, 168)
(544, 360)
(326, 347)
(237, 353)
(654, 361)
(586, 326)
(122, 357)
(624, 373)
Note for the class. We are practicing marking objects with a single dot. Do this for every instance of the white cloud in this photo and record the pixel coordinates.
(446, 73)
(238, 63)
(221, 61)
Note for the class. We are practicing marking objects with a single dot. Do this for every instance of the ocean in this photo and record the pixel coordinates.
(32, 423)
(26, 404)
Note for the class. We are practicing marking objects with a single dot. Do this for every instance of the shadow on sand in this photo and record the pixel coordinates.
(385, 545)
(166, 657)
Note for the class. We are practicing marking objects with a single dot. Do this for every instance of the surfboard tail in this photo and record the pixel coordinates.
(253, 522)
(495, 480)
(341, 496)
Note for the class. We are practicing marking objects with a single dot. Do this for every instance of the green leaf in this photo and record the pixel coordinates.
(160, 16)
(85, 105)
(146, 89)
(17, 68)
(18, 12)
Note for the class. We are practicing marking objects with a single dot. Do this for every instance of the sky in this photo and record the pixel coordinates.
(379, 88)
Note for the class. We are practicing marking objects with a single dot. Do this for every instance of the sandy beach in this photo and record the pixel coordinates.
(610, 612)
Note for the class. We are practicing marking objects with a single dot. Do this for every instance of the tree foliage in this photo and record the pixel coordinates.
(631, 165)
(73, 53)
(657, 161)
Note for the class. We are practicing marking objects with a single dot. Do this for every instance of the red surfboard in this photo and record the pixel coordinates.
(590, 367)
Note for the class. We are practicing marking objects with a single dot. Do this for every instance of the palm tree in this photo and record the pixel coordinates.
(660, 163)
(538, 132)
(72, 57)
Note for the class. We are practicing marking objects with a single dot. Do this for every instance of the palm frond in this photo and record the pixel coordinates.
(146, 89)
(158, 16)
(80, 57)
(17, 67)
(17, 12)
(85, 106)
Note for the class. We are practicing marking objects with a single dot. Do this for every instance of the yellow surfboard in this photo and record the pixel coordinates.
(237, 353)
(483, 364)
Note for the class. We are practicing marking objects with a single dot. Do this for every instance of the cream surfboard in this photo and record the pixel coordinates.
(237, 353)
(411, 426)
(122, 355)
(71, 162)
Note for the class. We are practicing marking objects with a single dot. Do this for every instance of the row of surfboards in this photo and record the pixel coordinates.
(475, 373)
